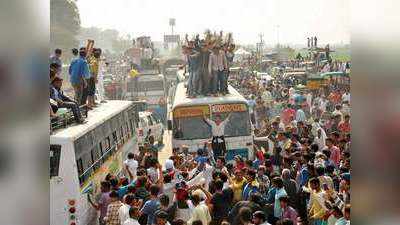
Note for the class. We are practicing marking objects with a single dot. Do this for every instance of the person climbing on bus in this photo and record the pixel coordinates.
(217, 130)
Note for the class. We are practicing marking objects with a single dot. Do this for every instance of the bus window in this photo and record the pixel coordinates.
(156, 119)
(107, 144)
(238, 124)
(122, 136)
(132, 126)
(87, 163)
(143, 122)
(156, 85)
(96, 155)
(128, 129)
(101, 149)
(115, 138)
(79, 165)
(191, 128)
(151, 122)
(55, 153)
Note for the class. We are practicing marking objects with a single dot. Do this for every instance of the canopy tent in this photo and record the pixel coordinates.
(242, 52)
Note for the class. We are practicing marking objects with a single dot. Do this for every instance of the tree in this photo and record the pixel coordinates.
(64, 25)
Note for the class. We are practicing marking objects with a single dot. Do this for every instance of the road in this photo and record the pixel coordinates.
(166, 150)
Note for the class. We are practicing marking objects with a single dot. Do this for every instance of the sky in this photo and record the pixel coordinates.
(290, 21)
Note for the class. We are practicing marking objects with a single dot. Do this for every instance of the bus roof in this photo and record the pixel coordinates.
(181, 98)
(96, 117)
(150, 77)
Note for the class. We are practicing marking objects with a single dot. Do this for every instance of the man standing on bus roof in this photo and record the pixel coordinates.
(217, 130)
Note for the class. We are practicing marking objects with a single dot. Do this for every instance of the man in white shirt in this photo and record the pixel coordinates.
(123, 211)
(217, 66)
(217, 130)
(200, 212)
(133, 216)
(338, 112)
(131, 166)
(346, 96)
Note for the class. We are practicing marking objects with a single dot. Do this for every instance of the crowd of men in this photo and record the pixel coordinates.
(83, 71)
(208, 61)
(300, 174)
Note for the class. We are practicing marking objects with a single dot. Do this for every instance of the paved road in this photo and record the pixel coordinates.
(166, 150)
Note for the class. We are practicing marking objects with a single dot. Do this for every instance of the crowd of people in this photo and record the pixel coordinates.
(300, 174)
(208, 61)
(83, 71)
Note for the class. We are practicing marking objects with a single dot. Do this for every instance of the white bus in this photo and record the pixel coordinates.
(189, 129)
(148, 87)
(82, 155)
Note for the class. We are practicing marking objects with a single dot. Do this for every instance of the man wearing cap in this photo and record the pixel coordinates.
(217, 130)
(63, 101)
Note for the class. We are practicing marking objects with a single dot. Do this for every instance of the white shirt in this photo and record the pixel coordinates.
(131, 221)
(217, 62)
(123, 212)
(265, 223)
(132, 165)
(185, 214)
(217, 130)
(309, 99)
(346, 97)
(168, 190)
(169, 164)
(337, 112)
(153, 174)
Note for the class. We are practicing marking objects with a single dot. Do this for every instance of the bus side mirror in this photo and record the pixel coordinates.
(169, 125)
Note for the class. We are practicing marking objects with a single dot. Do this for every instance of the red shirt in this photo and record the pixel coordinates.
(335, 155)
(344, 127)
(286, 116)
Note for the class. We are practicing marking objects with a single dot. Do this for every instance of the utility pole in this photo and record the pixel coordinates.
(277, 35)
(260, 47)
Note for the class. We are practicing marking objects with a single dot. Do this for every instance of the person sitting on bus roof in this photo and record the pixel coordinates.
(63, 101)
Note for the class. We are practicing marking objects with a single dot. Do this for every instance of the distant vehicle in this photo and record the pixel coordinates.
(82, 155)
(148, 87)
(149, 121)
(188, 127)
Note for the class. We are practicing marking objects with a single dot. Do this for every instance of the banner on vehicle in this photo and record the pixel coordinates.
(191, 111)
(229, 108)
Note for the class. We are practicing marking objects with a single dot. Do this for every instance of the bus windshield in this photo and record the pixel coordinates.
(190, 128)
(238, 124)
(135, 85)
(156, 85)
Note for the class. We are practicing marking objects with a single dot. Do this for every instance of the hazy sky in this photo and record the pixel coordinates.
(297, 19)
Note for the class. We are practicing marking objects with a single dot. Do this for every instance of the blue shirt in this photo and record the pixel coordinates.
(300, 116)
(78, 70)
(124, 189)
(277, 205)
(248, 189)
(55, 94)
(304, 176)
(149, 208)
(271, 195)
